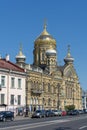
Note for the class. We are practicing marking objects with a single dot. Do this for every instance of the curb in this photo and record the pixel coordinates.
(21, 118)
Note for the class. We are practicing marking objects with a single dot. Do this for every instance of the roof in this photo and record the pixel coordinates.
(10, 66)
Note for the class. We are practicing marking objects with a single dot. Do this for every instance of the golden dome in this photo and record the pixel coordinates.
(45, 37)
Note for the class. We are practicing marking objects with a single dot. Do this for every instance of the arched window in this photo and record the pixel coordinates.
(42, 56)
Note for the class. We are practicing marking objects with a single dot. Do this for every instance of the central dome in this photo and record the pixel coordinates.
(45, 37)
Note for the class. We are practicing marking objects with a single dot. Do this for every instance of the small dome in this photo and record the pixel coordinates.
(20, 55)
(68, 58)
(45, 37)
(51, 52)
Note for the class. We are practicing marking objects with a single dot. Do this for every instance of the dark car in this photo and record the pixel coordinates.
(85, 110)
(6, 115)
(73, 112)
(39, 114)
(49, 113)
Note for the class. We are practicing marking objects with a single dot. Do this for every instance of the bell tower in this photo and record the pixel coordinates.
(51, 60)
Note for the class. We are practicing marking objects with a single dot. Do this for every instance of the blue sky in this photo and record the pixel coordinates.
(21, 21)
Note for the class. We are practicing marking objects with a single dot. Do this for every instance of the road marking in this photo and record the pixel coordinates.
(33, 125)
(43, 124)
(82, 127)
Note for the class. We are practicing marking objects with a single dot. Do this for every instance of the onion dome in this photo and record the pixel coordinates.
(45, 37)
(20, 56)
(51, 52)
(68, 58)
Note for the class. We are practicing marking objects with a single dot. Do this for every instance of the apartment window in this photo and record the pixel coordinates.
(19, 83)
(12, 82)
(12, 99)
(3, 81)
(2, 98)
(19, 99)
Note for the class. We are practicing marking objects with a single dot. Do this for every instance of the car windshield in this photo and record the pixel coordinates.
(55, 110)
(1, 112)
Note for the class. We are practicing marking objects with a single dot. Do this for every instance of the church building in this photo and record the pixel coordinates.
(49, 85)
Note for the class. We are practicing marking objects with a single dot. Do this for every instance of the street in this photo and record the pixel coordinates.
(52, 123)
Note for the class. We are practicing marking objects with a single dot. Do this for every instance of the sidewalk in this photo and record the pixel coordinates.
(21, 118)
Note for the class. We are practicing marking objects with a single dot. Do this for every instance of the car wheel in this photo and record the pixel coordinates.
(40, 116)
(44, 116)
(12, 118)
(4, 119)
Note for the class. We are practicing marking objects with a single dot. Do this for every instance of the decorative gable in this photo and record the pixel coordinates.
(69, 71)
(57, 74)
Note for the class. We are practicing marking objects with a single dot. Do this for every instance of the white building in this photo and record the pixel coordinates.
(84, 99)
(12, 86)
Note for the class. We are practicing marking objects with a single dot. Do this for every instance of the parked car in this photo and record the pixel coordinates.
(81, 111)
(39, 114)
(57, 112)
(73, 112)
(64, 113)
(6, 115)
(85, 110)
(49, 113)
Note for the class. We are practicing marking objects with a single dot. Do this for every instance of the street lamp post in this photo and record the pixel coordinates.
(0, 87)
(58, 103)
(73, 96)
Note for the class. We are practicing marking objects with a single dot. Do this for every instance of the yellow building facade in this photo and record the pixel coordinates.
(48, 85)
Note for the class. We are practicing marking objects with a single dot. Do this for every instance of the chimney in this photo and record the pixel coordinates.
(7, 57)
(0, 57)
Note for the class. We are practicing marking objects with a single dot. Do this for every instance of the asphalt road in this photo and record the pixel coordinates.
(53, 123)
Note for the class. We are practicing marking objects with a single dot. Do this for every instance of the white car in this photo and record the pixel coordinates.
(57, 112)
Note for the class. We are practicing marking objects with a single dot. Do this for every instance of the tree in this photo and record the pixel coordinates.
(69, 107)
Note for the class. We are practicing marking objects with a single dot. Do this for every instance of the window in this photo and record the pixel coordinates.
(19, 83)
(42, 56)
(49, 102)
(49, 87)
(12, 82)
(12, 99)
(19, 99)
(2, 98)
(3, 81)
(43, 101)
(43, 86)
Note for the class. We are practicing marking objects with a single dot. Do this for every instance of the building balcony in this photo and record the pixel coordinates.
(36, 91)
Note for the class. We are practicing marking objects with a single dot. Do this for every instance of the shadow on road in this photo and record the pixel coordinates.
(63, 128)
